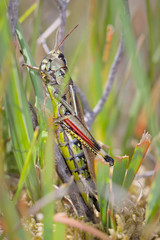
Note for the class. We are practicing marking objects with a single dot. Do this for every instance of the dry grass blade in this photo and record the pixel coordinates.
(62, 8)
(13, 15)
(62, 218)
(50, 29)
(53, 196)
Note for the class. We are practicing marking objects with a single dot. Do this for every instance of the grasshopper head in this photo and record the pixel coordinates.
(53, 68)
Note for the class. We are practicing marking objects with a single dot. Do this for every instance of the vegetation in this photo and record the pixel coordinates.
(33, 201)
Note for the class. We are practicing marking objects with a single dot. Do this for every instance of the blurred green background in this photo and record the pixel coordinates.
(124, 117)
(131, 108)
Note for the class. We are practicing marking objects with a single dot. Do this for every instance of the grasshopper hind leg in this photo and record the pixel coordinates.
(109, 159)
(95, 202)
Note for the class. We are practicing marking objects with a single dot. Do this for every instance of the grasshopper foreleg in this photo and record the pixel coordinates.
(73, 98)
(65, 104)
(72, 109)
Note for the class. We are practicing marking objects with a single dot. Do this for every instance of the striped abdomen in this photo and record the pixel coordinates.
(71, 149)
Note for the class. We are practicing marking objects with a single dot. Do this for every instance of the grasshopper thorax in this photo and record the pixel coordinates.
(53, 68)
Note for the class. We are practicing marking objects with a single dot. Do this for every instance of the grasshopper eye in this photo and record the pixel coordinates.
(61, 56)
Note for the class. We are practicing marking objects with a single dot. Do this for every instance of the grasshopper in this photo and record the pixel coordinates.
(76, 143)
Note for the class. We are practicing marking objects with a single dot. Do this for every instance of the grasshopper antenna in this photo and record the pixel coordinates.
(26, 65)
(56, 42)
(66, 37)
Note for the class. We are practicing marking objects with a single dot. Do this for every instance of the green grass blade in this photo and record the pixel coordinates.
(28, 12)
(102, 180)
(34, 75)
(33, 42)
(36, 80)
(154, 199)
(21, 128)
(47, 185)
(137, 159)
(141, 81)
(118, 177)
(119, 170)
(59, 231)
(9, 215)
(26, 166)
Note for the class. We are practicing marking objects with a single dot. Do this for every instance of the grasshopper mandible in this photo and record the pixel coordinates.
(76, 143)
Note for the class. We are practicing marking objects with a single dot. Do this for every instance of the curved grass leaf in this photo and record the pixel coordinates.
(21, 128)
(137, 159)
(26, 166)
(34, 75)
(9, 214)
(36, 80)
